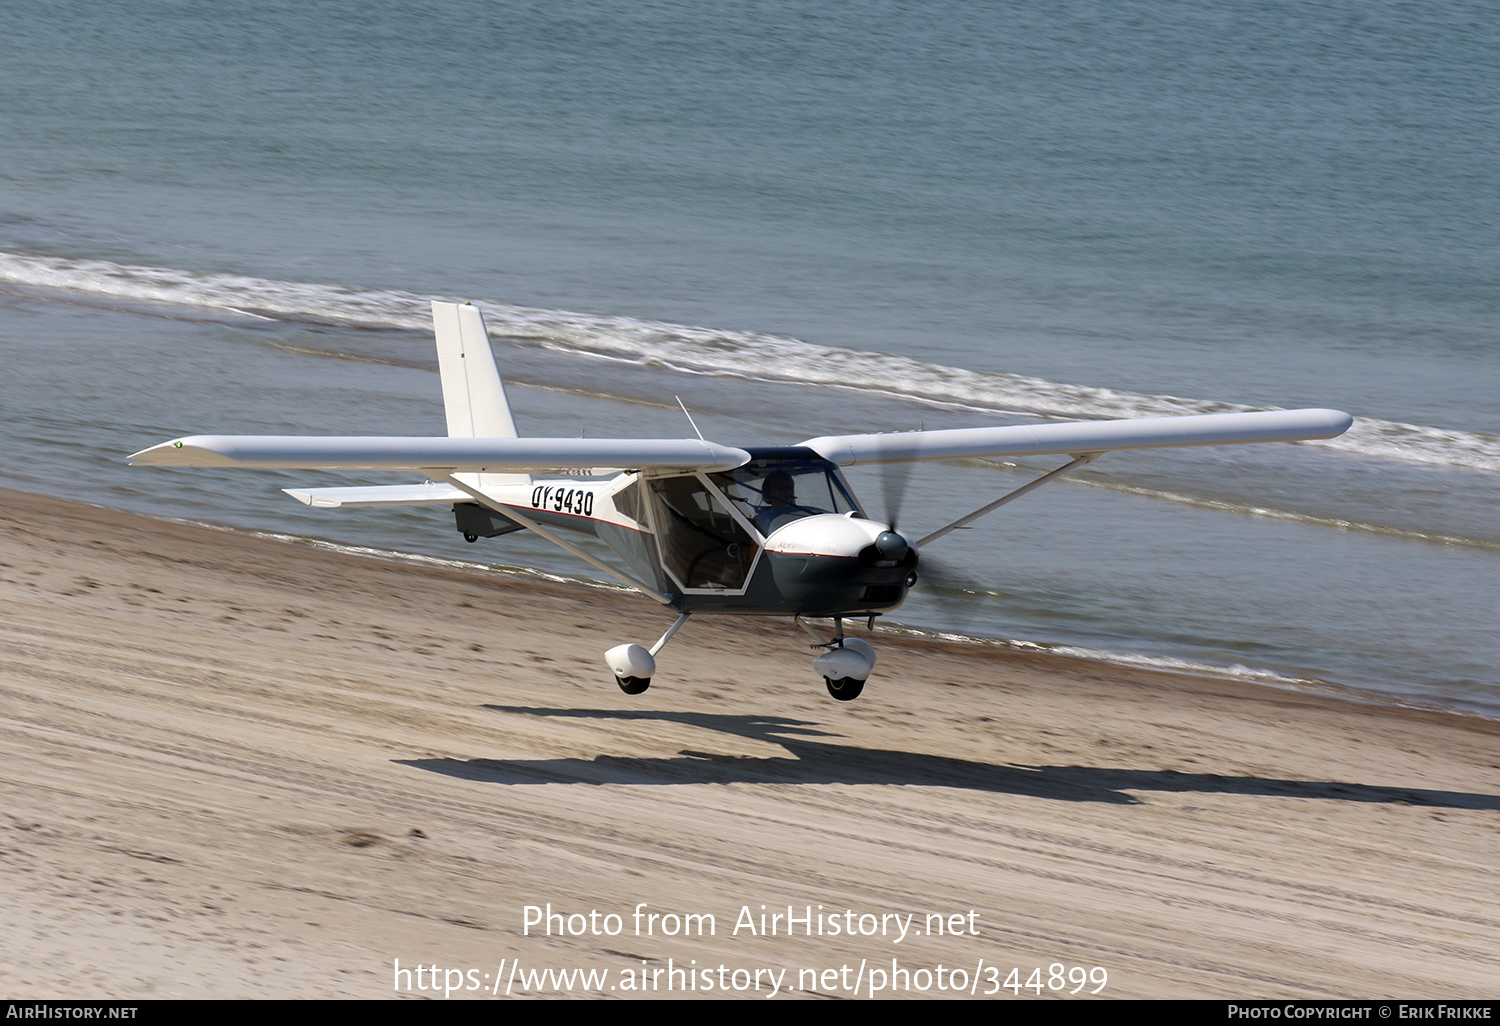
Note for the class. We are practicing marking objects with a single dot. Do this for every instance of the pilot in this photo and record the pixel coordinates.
(781, 503)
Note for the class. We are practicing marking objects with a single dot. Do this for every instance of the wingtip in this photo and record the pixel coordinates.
(1336, 422)
(180, 452)
(305, 497)
(149, 455)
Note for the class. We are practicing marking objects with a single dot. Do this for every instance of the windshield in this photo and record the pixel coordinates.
(774, 492)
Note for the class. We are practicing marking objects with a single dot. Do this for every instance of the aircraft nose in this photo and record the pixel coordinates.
(892, 546)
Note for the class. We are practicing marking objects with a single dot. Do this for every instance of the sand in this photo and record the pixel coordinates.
(238, 767)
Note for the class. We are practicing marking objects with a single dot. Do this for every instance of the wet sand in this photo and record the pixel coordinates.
(237, 767)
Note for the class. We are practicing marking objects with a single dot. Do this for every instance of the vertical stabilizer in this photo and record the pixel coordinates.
(473, 394)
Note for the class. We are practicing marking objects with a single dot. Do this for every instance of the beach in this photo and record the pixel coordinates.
(244, 768)
(1216, 722)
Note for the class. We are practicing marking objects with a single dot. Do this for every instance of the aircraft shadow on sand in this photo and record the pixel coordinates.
(811, 761)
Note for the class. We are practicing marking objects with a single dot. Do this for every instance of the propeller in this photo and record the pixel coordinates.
(895, 478)
(891, 544)
(944, 585)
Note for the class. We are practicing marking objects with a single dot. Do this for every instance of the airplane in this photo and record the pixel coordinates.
(766, 530)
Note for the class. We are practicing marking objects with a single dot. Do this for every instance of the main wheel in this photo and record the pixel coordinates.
(845, 689)
(635, 685)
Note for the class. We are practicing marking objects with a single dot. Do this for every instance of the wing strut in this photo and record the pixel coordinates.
(510, 511)
(1078, 461)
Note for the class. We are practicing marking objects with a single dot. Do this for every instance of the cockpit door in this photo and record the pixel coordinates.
(705, 545)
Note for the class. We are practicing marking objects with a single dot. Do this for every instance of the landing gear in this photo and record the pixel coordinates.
(845, 665)
(634, 685)
(845, 689)
(634, 666)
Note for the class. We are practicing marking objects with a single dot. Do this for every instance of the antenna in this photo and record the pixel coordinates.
(689, 416)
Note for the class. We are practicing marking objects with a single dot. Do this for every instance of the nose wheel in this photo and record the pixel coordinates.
(845, 664)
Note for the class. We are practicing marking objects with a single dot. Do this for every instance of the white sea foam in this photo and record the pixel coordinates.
(711, 350)
(1168, 664)
(1473, 705)
(1270, 513)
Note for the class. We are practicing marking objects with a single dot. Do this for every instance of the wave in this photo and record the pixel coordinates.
(1271, 513)
(708, 350)
(1481, 704)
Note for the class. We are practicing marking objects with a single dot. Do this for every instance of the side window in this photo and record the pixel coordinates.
(629, 501)
(702, 544)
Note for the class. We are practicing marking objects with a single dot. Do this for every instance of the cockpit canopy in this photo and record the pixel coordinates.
(705, 546)
(774, 489)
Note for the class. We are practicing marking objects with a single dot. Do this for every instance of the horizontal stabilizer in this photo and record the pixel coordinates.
(474, 455)
(380, 495)
(1082, 436)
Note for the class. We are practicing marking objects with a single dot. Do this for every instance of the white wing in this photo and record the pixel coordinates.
(473, 455)
(1082, 437)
